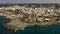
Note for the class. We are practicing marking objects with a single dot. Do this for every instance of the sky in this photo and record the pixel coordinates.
(29, 1)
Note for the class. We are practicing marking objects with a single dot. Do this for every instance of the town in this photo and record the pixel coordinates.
(30, 15)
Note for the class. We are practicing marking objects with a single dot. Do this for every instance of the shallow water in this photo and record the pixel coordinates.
(48, 30)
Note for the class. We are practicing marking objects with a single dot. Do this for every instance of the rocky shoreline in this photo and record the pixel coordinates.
(16, 24)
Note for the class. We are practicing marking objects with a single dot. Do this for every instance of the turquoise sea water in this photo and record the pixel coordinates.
(45, 30)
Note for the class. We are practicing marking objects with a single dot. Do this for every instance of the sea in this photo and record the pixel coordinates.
(55, 29)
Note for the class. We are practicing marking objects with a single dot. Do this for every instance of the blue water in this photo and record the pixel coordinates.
(46, 30)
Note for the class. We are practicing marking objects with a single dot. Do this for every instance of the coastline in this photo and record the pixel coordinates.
(22, 16)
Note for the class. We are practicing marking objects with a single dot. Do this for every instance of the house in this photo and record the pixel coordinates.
(40, 19)
(46, 19)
